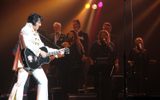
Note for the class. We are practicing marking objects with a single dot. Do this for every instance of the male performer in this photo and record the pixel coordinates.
(29, 38)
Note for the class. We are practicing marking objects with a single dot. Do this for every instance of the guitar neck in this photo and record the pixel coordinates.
(60, 51)
(54, 53)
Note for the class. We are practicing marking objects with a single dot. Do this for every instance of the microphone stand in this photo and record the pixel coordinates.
(49, 41)
(125, 89)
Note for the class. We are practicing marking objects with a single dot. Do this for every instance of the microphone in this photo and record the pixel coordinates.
(105, 42)
(140, 46)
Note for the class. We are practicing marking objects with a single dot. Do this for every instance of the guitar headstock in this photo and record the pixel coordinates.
(66, 51)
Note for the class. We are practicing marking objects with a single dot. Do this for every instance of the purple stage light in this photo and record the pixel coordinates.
(100, 4)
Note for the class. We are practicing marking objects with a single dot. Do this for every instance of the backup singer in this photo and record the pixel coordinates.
(29, 38)
(103, 54)
(58, 36)
(84, 39)
(138, 61)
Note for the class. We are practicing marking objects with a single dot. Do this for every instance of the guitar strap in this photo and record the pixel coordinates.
(21, 42)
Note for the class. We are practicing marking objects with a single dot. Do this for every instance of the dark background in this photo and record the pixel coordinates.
(129, 18)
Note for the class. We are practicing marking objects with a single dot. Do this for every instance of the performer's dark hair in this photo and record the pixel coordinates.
(33, 18)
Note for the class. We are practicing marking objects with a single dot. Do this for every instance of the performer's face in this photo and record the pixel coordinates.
(139, 43)
(139, 40)
(57, 28)
(107, 27)
(76, 26)
(37, 25)
(104, 37)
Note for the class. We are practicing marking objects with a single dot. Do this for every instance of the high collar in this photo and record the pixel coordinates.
(30, 25)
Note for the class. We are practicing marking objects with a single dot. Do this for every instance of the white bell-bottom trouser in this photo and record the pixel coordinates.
(18, 88)
(40, 76)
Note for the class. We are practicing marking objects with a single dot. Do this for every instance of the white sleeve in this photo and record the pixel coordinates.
(51, 49)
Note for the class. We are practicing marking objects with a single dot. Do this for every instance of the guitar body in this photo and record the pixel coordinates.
(31, 61)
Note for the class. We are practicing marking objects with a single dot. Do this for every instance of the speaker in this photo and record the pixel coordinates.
(143, 98)
(84, 96)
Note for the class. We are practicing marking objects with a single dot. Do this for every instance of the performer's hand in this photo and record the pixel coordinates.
(60, 55)
(131, 63)
(117, 65)
(90, 60)
(84, 58)
(56, 56)
(43, 54)
(52, 57)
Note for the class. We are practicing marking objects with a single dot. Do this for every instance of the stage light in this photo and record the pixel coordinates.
(87, 6)
(100, 4)
(94, 6)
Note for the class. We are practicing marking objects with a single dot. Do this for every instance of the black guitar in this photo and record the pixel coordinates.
(31, 61)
